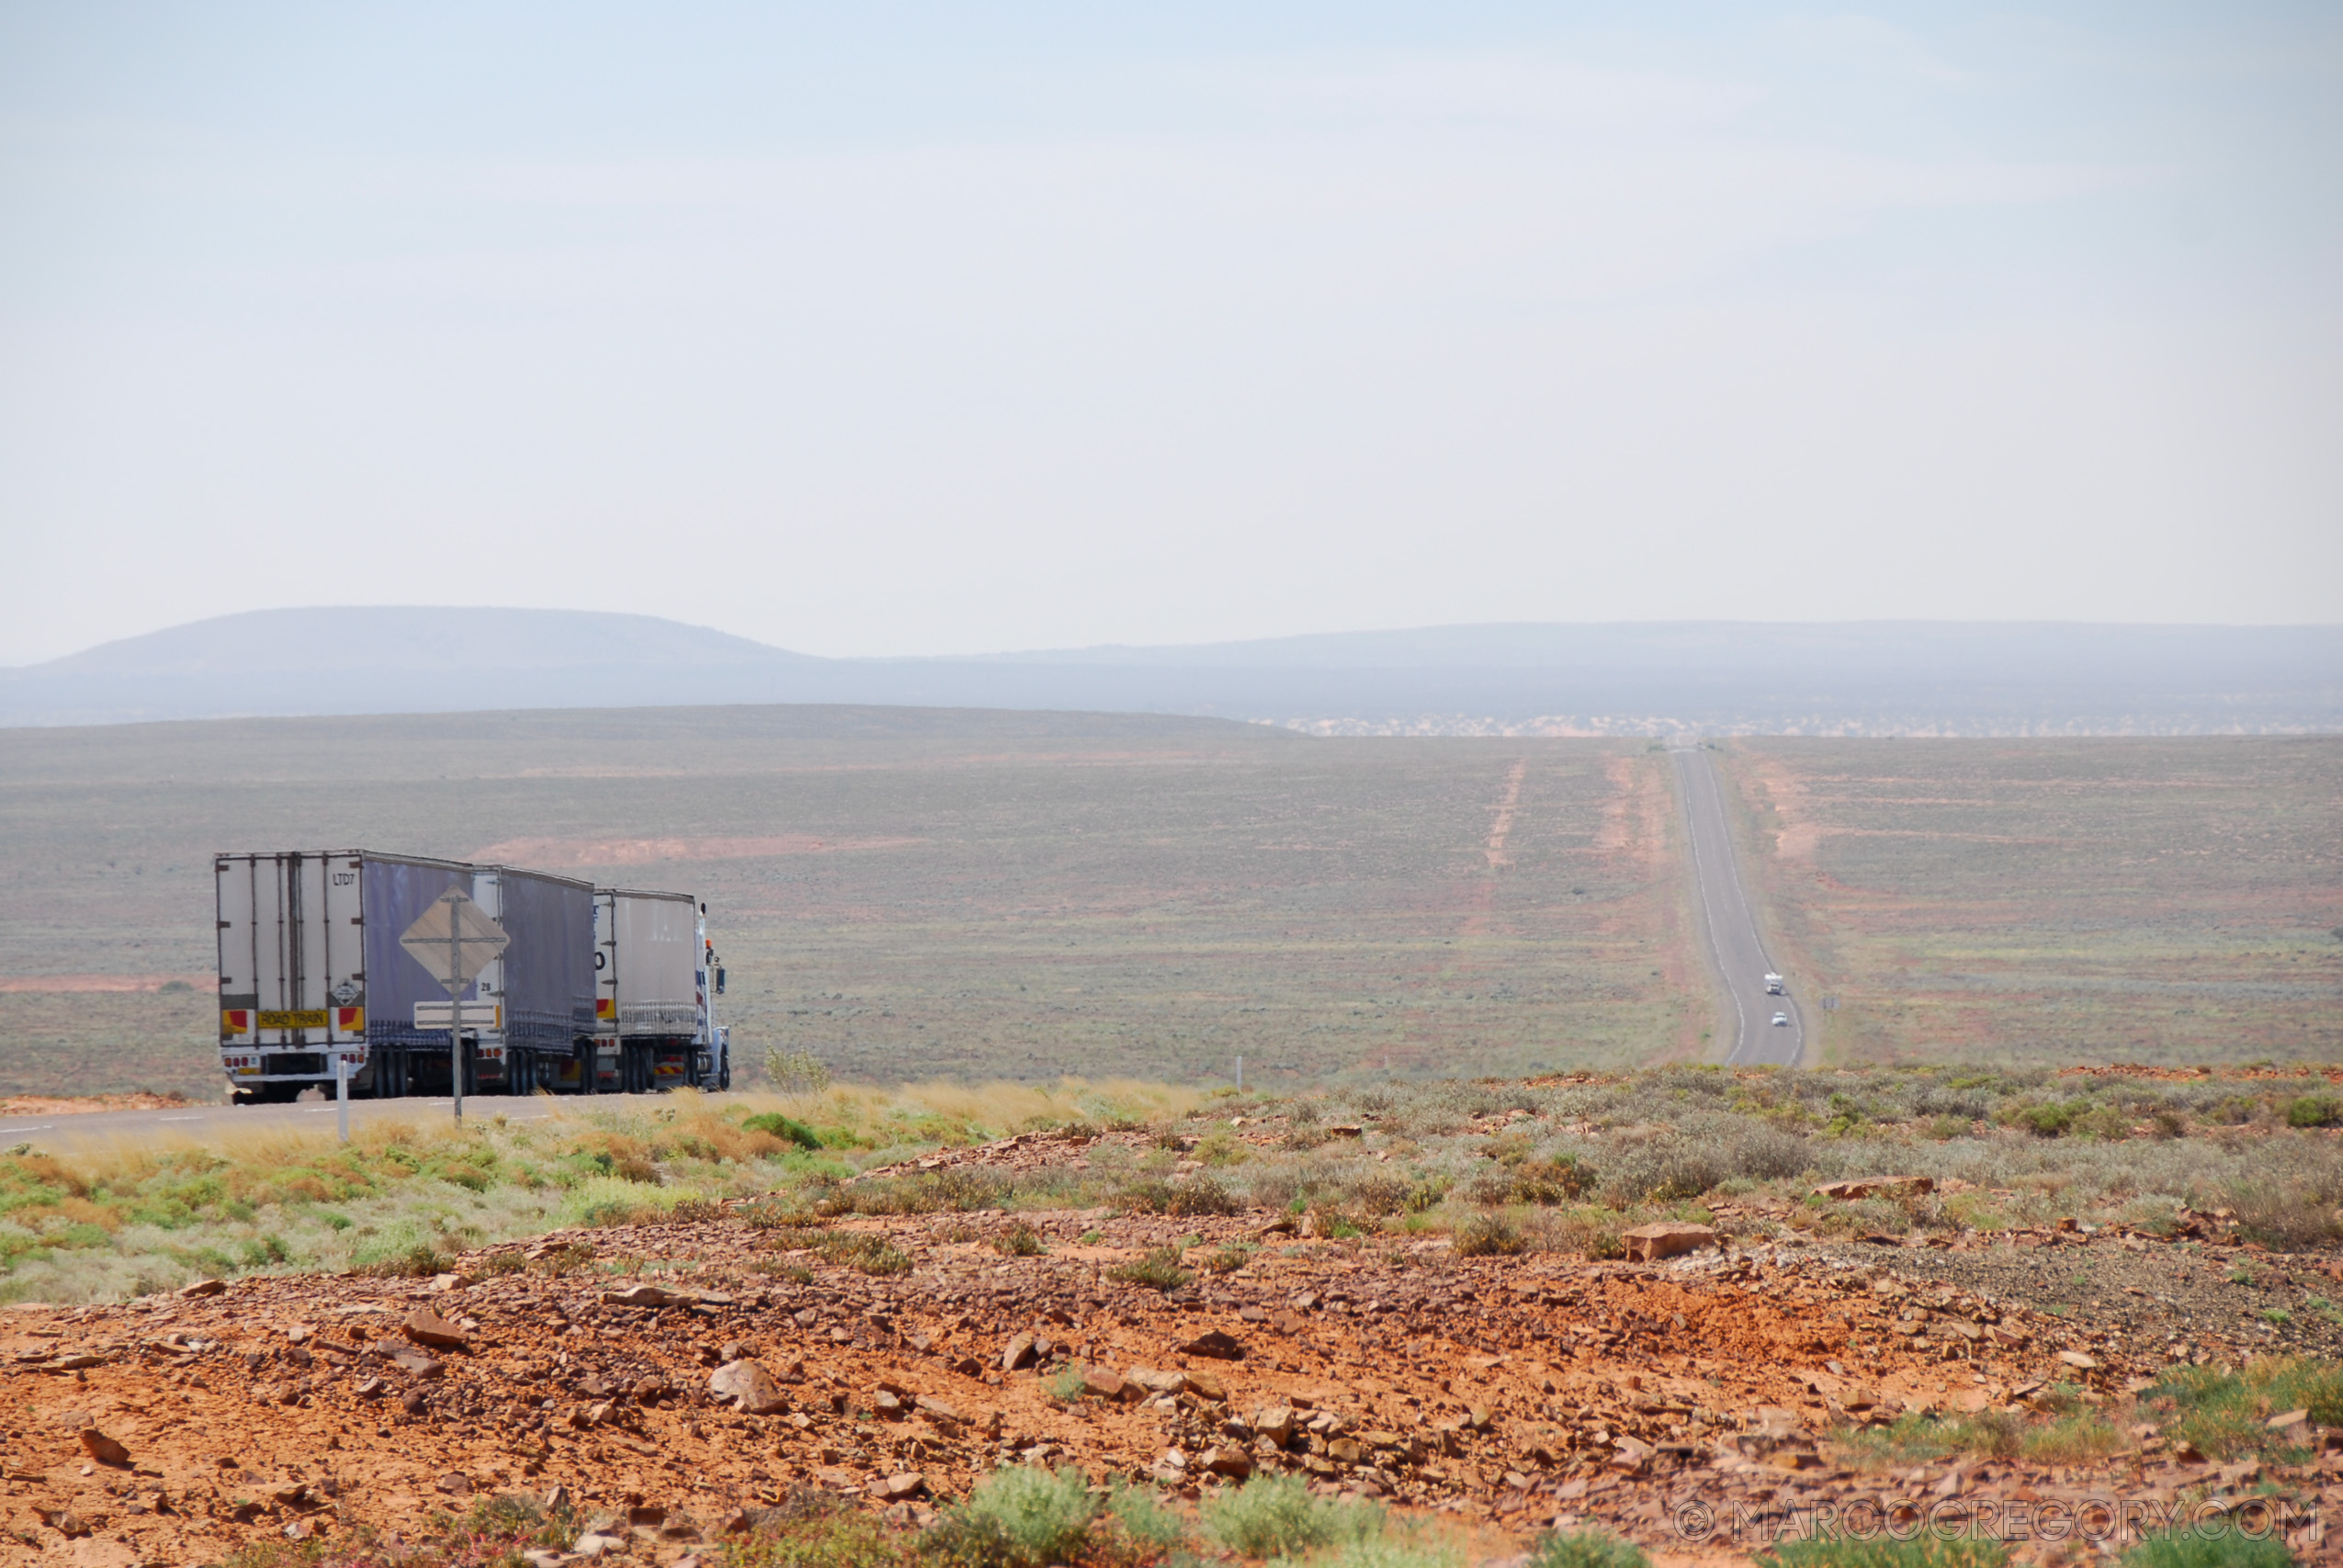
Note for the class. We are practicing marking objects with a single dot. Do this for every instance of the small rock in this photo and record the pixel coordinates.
(1019, 1351)
(898, 1488)
(456, 1484)
(425, 1327)
(937, 1411)
(1215, 1343)
(204, 1288)
(1648, 1243)
(1203, 1384)
(644, 1296)
(106, 1451)
(2076, 1359)
(1100, 1383)
(2289, 1421)
(1228, 1460)
(1875, 1187)
(750, 1387)
(1275, 1423)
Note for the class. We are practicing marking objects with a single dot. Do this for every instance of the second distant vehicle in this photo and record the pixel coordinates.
(1780, 1021)
(1773, 984)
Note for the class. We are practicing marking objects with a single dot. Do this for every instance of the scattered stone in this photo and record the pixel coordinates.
(750, 1389)
(1215, 1343)
(104, 1449)
(1648, 1243)
(2079, 1361)
(1876, 1187)
(1228, 1460)
(898, 1488)
(203, 1288)
(1018, 1353)
(425, 1327)
(645, 1296)
(456, 1484)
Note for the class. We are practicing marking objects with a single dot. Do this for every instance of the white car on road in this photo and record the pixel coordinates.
(1780, 1021)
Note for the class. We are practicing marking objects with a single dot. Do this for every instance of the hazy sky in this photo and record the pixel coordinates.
(879, 328)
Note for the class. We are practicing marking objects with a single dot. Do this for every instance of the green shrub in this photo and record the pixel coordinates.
(1588, 1549)
(1021, 1240)
(865, 1254)
(2226, 1413)
(788, 1129)
(1158, 1271)
(2043, 1120)
(2212, 1545)
(1489, 1236)
(1141, 1515)
(2283, 1218)
(1276, 1516)
(813, 1531)
(1552, 1181)
(2314, 1111)
(1019, 1518)
(1925, 1550)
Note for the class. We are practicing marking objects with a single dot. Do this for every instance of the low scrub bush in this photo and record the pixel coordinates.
(2283, 1218)
(1019, 1518)
(1925, 1551)
(1145, 1522)
(1558, 1180)
(865, 1254)
(1491, 1235)
(788, 1129)
(2213, 1544)
(1587, 1549)
(1020, 1240)
(1159, 1270)
(2224, 1414)
(1278, 1516)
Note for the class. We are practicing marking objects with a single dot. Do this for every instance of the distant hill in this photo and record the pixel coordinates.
(1875, 677)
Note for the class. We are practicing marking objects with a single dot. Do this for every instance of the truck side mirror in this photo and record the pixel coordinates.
(719, 981)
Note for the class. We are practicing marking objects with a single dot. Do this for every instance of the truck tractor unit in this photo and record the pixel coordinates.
(314, 981)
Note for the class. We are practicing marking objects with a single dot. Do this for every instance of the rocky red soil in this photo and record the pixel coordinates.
(667, 1377)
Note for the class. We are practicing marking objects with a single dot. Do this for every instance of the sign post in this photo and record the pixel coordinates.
(342, 1094)
(455, 941)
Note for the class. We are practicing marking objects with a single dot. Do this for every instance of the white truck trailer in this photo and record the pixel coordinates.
(311, 969)
(655, 983)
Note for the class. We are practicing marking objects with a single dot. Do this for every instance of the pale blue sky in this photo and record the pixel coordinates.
(910, 329)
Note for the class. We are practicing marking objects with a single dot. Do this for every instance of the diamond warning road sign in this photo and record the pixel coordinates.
(454, 941)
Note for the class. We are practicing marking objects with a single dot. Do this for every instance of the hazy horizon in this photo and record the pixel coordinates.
(916, 330)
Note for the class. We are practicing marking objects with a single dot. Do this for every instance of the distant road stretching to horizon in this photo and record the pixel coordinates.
(1736, 952)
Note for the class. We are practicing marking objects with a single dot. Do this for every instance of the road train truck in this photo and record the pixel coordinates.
(656, 980)
(311, 969)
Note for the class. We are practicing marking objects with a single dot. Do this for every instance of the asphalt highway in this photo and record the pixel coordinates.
(1736, 952)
